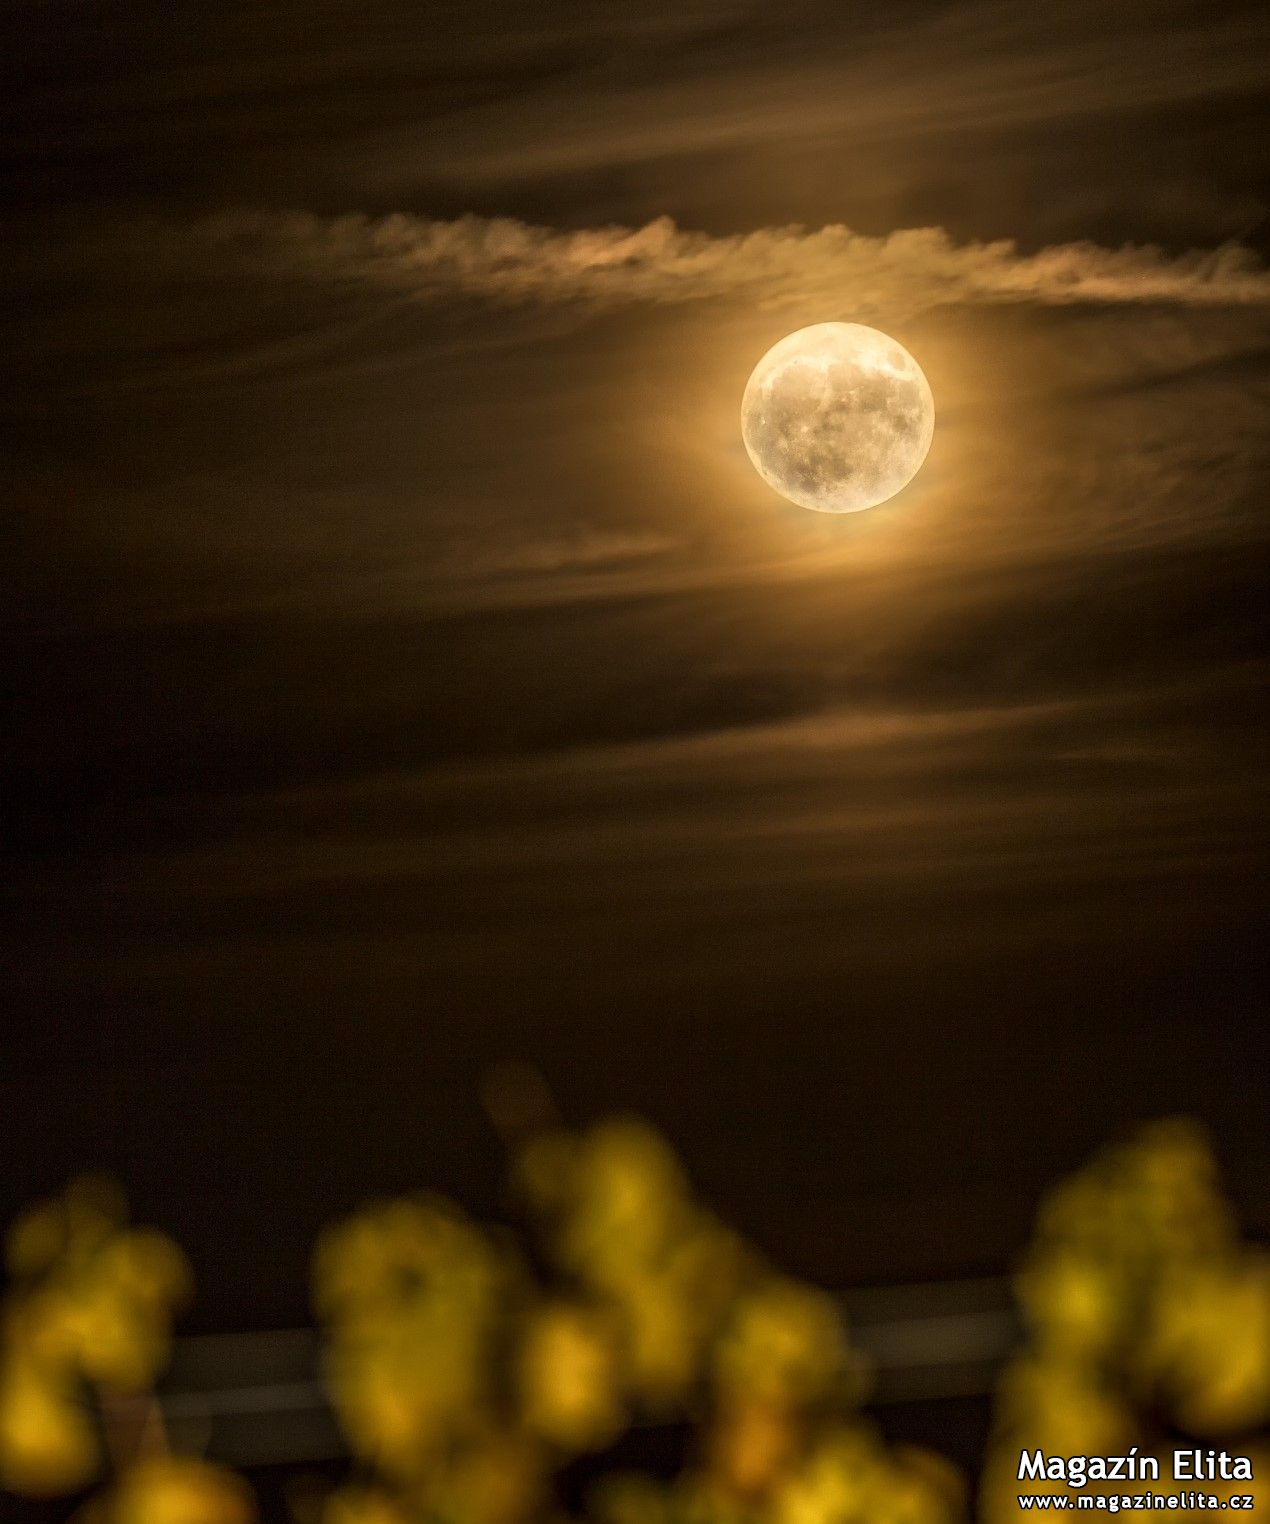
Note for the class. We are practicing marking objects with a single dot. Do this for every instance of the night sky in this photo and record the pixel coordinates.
(406, 672)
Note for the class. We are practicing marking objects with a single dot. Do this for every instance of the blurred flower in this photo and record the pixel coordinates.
(412, 1295)
(674, 1308)
(619, 1216)
(89, 1311)
(90, 1211)
(462, 1387)
(1062, 1407)
(47, 1441)
(1212, 1343)
(569, 1377)
(785, 1345)
(614, 1199)
(363, 1505)
(629, 1498)
(850, 1478)
(168, 1490)
(753, 1444)
(1069, 1295)
(498, 1479)
(1140, 1302)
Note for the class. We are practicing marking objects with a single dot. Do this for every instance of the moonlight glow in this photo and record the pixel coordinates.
(837, 417)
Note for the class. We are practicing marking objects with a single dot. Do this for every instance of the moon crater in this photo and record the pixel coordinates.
(837, 417)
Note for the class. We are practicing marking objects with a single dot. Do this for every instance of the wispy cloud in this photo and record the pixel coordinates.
(505, 260)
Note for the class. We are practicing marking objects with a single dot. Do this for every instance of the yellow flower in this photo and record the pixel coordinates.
(785, 1345)
(1061, 1407)
(94, 1298)
(631, 1201)
(1073, 1299)
(170, 1490)
(1212, 1342)
(363, 1505)
(498, 1479)
(47, 1443)
(569, 1377)
(413, 1296)
(850, 1478)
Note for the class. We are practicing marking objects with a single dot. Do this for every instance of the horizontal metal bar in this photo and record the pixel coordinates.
(258, 1398)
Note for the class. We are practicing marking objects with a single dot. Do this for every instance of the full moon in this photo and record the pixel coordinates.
(837, 417)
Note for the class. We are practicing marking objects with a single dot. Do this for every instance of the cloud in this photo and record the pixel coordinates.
(507, 261)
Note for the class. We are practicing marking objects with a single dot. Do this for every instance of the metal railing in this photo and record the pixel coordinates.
(258, 1398)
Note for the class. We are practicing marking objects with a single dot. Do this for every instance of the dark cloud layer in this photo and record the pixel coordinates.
(1045, 124)
(406, 670)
